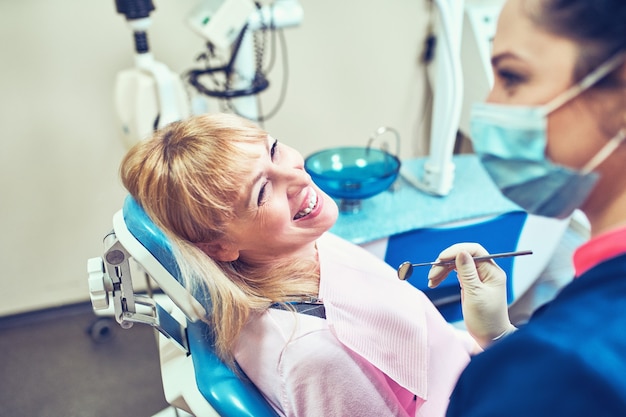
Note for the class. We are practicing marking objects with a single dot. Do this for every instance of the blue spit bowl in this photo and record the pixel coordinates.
(352, 173)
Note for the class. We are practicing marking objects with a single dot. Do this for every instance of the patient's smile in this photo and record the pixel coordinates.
(311, 203)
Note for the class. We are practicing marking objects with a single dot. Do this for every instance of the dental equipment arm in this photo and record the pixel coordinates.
(226, 23)
(148, 96)
(461, 75)
(439, 168)
(438, 175)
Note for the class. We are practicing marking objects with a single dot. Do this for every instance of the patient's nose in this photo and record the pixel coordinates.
(296, 179)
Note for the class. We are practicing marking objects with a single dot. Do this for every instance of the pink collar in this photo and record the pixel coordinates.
(599, 249)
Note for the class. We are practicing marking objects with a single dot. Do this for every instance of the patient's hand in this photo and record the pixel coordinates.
(483, 291)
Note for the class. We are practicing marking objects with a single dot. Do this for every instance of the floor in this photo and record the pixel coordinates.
(52, 367)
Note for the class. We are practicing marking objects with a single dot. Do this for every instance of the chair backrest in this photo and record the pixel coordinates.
(225, 391)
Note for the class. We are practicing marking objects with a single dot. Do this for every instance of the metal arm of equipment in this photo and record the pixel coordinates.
(280, 14)
(226, 23)
(110, 282)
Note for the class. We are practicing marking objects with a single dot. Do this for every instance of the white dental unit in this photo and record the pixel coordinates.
(442, 199)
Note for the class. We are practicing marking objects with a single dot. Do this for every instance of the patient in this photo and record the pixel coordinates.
(251, 234)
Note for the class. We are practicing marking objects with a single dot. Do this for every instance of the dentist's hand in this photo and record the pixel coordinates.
(483, 291)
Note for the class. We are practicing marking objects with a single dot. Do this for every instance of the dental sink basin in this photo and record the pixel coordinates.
(351, 174)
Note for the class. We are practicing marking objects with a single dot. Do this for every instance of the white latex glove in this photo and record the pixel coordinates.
(483, 291)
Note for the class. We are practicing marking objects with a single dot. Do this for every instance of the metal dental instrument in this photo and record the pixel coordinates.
(406, 268)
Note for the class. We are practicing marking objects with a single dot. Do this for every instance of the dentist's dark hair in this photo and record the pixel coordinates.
(598, 26)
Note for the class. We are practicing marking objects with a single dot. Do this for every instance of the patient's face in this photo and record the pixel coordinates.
(282, 212)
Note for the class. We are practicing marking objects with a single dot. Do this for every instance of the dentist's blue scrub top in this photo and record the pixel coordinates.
(568, 360)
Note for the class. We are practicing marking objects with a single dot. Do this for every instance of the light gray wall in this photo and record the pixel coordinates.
(353, 66)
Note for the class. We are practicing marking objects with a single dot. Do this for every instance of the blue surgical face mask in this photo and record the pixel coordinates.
(511, 142)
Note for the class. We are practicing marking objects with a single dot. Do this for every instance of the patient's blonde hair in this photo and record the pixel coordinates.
(188, 177)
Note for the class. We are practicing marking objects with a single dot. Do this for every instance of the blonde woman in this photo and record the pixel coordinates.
(251, 232)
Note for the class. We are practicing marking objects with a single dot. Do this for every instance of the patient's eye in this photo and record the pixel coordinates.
(262, 194)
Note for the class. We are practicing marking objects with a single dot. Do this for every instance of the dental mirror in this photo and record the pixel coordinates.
(405, 270)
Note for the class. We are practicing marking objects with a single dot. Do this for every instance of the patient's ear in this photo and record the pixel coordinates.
(220, 251)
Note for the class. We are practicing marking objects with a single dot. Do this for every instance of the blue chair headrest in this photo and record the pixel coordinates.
(151, 237)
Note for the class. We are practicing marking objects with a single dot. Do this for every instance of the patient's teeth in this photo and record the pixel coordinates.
(309, 209)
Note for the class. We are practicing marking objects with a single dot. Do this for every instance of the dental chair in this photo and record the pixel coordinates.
(194, 378)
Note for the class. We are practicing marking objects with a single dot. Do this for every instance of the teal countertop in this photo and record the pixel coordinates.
(406, 208)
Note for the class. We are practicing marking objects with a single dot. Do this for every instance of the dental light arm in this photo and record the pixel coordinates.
(150, 95)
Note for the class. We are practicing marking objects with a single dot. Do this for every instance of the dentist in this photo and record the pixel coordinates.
(552, 136)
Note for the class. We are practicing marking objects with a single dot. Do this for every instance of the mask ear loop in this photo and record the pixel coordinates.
(605, 152)
(588, 81)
